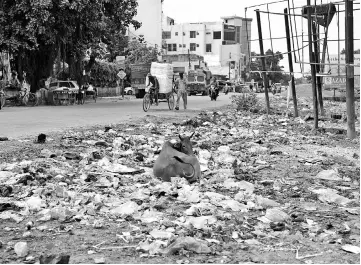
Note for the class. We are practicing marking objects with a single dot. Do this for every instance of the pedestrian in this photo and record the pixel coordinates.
(181, 84)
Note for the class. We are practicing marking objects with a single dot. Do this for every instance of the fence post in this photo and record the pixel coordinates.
(290, 64)
(263, 60)
(317, 67)
(313, 71)
(350, 96)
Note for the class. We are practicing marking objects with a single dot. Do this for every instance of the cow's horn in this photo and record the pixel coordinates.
(180, 137)
(191, 135)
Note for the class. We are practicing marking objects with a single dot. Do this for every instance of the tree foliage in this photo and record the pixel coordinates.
(139, 52)
(38, 32)
(272, 64)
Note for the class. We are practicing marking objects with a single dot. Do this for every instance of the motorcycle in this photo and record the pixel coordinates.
(213, 93)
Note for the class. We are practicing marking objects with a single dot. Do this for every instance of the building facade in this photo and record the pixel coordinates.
(149, 13)
(223, 44)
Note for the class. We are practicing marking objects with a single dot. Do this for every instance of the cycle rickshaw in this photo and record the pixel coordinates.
(164, 74)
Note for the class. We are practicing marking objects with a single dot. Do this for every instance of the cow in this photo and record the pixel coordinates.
(177, 162)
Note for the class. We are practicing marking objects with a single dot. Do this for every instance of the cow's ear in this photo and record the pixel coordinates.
(180, 137)
(191, 135)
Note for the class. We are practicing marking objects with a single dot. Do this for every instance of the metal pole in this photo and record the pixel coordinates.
(229, 67)
(263, 60)
(189, 60)
(350, 97)
(290, 63)
(318, 68)
(338, 37)
(313, 70)
(122, 88)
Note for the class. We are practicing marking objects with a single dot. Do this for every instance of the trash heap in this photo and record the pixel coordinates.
(263, 187)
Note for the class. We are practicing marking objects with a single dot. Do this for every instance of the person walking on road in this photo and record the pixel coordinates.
(181, 84)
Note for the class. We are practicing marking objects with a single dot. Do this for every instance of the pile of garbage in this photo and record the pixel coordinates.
(260, 187)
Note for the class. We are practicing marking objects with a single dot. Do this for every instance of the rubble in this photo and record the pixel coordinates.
(267, 183)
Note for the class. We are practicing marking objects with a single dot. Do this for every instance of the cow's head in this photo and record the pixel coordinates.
(186, 144)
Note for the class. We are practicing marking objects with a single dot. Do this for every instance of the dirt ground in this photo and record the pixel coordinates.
(316, 230)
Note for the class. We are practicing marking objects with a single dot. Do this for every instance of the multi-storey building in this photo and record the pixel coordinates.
(222, 44)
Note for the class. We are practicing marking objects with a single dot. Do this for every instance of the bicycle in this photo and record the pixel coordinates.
(23, 97)
(149, 99)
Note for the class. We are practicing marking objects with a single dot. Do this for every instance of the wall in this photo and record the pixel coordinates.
(183, 37)
(150, 14)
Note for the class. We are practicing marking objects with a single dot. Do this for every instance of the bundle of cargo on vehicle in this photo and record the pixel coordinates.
(164, 74)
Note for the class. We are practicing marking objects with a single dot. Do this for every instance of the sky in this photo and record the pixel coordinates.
(212, 10)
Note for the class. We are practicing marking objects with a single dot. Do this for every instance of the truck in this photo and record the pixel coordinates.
(198, 80)
(138, 74)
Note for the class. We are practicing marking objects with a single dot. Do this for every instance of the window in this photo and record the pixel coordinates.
(184, 33)
(64, 84)
(230, 35)
(172, 47)
(184, 45)
(226, 21)
(176, 33)
(217, 35)
(192, 46)
(192, 34)
(208, 47)
(208, 33)
(197, 45)
(166, 35)
(180, 45)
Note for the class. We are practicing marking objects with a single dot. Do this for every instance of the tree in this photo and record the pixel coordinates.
(139, 52)
(38, 32)
(272, 65)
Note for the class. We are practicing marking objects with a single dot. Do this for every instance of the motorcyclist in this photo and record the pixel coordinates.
(213, 85)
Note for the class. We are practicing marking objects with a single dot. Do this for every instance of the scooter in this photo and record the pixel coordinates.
(213, 93)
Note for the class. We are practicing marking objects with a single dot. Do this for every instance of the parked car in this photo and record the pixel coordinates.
(128, 90)
(61, 85)
(63, 92)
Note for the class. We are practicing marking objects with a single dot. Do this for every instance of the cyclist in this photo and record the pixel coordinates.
(153, 84)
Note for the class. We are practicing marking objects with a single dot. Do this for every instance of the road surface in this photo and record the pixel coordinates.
(16, 122)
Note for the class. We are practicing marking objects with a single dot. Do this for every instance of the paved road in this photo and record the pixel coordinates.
(27, 121)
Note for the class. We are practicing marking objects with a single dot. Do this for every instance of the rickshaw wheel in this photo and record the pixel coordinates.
(32, 100)
(146, 102)
(170, 100)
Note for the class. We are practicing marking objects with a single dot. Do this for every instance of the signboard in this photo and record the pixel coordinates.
(120, 59)
(121, 74)
(338, 72)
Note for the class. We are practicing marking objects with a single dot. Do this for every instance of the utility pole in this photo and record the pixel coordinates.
(290, 63)
(313, 70)
(263, 60)
(350, 79)
(189, 60)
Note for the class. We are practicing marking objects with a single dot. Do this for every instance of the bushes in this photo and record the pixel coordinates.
(104, 74)
(245, 101)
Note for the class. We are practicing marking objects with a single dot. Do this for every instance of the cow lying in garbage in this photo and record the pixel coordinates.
(177, 162)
